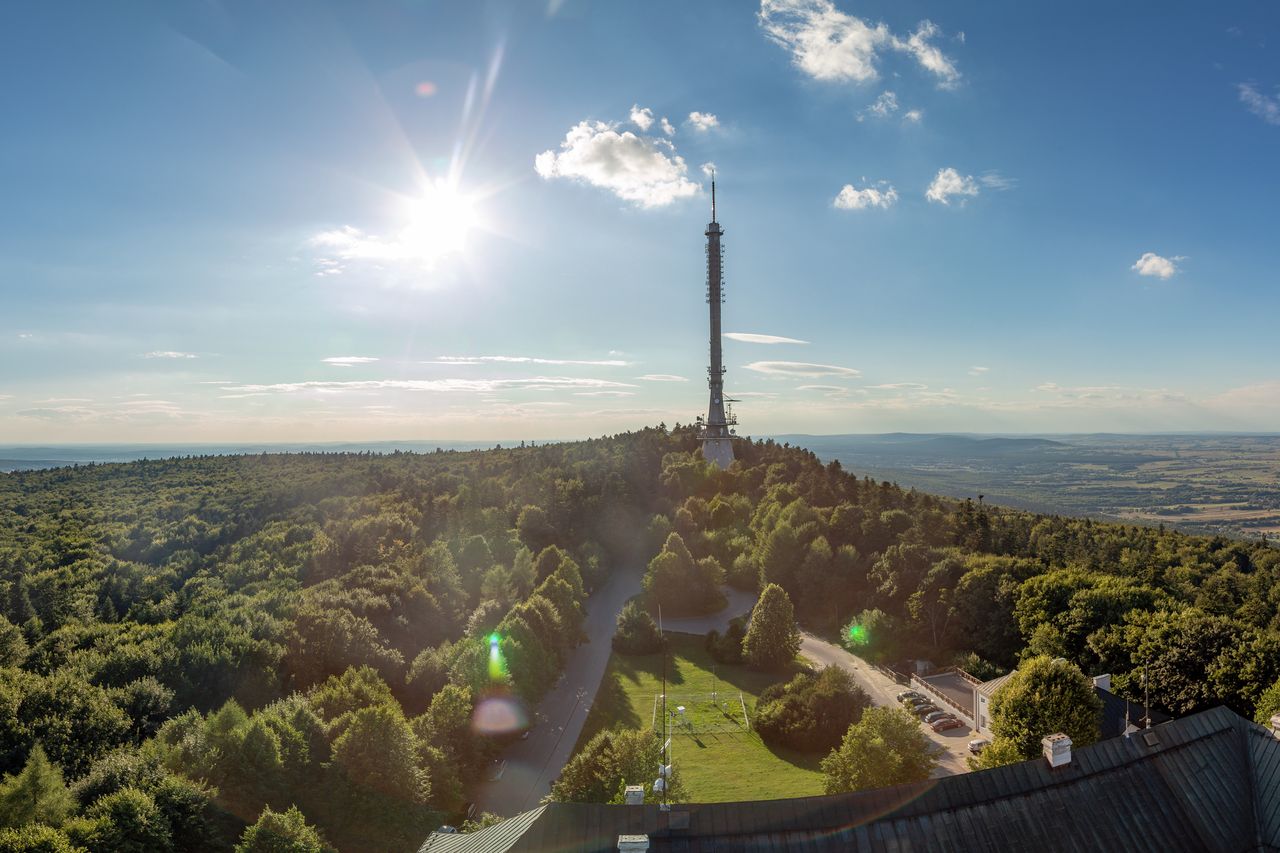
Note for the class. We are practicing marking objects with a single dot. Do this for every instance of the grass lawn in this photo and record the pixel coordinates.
(717, 766)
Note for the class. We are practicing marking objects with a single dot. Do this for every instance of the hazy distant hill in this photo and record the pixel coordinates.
(30, 457)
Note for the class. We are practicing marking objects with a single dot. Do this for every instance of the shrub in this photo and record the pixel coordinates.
(637, 633)
(810, 713)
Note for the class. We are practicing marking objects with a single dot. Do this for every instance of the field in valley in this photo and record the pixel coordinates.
(1228, 484)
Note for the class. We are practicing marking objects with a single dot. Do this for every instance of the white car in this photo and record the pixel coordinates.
(978, 744)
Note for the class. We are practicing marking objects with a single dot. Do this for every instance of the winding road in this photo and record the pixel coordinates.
(526, 768)
(523, 774)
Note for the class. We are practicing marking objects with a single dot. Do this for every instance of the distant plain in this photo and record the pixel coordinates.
(1211, 483)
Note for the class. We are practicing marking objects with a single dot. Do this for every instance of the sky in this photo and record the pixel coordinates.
(310, 221)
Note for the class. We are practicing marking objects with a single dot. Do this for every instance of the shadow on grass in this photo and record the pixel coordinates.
(610, 709)
(806, 760)
(632, 666)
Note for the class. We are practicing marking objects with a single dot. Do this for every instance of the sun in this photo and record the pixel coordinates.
(440, 223)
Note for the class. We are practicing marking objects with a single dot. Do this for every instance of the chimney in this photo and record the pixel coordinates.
(1057, 750)
(634, 795)
(1102, 682)
(633, 843)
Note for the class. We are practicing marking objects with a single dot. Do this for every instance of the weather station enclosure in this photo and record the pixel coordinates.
(697, 714)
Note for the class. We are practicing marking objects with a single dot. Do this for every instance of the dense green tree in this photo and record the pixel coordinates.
(37, 794)
(637, 633)
(772, 639)
(610, 761)
(1268, 705)
(872, 634)
(811, 712)
(885, 747)
(282, 832)
(128, 821)
(679, 583)
(1045, 696)
(535, 529)
(378, 752)
(36, 838)
(13, 645)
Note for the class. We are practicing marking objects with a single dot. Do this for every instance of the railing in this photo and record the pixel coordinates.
(966, 716)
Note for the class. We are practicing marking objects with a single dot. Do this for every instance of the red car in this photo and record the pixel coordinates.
(946, 723)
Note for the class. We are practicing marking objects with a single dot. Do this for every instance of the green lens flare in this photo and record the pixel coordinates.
(858, 635)
(497, 666)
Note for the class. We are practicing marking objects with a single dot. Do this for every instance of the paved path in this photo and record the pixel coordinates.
(740, 604)
(953, 745)
(532, 764)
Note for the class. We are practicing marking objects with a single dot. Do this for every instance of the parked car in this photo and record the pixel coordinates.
(908, 694)
(934, 716)
(925, 710)
(947, 723)
(978, 744)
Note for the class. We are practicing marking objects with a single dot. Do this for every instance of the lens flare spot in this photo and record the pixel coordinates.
(426, 89)
(498, 715)
(858, 635)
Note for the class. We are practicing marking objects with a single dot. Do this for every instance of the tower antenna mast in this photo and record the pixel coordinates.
(716, 431)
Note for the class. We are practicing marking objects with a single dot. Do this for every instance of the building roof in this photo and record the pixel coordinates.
(1118, 714)
(1210, 781)
(989, 688)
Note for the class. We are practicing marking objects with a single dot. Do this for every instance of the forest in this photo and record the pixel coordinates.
(322, 651)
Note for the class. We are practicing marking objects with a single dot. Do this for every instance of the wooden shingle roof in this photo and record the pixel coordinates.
(1208, 782)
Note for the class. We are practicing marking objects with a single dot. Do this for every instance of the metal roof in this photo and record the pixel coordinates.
(1209, 782)
(988, 688)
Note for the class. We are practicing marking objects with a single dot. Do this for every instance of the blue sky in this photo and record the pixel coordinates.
(325, 221)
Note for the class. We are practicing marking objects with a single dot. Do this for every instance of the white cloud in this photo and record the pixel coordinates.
(882, 107)
(996, 181)
(708, 169)
(640, 169)
(913, 116)
(750, 338)
(1151, 264)
(928, 55)
(703, 121)
(948, 183)
(348, 360)
(1263, 106)
(800, 368)
(900, 386)
(978, 371)
(604, 393)
(536, 383)
(881, 195)
(662, 377)
(641, 117)
(826, 390)
(169, 354)
(667, 127)
(828, 44)
(522, 359)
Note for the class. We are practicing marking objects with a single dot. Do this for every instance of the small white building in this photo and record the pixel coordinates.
(982, 694)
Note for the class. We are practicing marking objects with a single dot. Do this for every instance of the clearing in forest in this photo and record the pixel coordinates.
(718, 755)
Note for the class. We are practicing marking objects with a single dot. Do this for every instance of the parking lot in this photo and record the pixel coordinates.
(952, 746)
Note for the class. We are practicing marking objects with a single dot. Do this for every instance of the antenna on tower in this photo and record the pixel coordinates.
(713, 195)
